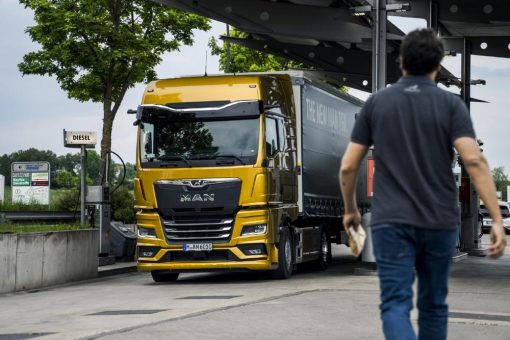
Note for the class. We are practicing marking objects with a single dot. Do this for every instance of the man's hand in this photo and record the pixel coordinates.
(498, 240)
(352, 220)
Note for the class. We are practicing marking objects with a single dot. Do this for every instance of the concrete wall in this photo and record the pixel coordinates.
(29, 261)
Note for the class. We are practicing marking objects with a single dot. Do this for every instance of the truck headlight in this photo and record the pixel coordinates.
(254, 229)
(146, 232)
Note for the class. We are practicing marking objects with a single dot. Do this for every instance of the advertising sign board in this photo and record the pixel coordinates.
(30, 182)
(2, 188)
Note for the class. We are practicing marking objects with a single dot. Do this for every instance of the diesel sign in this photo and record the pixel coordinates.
(76, 139)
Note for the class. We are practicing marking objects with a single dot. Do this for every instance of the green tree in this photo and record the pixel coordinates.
(122, 205)
(65, 179)
(243, 59)
(98, 49)
(501, 181)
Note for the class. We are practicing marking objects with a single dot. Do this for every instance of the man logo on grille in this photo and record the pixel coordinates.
(197, 183)
(197, 198)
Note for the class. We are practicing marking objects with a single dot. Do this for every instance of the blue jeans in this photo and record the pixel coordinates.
(400, 252)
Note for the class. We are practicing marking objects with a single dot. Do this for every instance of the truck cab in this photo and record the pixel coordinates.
(216, 174)
(239, 172)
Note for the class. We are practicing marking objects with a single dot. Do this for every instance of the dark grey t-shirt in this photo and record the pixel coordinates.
(412, 126)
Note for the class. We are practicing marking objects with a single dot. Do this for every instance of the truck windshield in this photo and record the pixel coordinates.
(190, 143)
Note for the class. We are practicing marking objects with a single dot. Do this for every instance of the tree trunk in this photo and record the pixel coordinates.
(106, 141)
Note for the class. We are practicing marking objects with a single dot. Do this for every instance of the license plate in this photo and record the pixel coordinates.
(197, 247)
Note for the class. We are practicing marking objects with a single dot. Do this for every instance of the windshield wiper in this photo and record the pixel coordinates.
(213, 156)
(229, 156)
(174, 157)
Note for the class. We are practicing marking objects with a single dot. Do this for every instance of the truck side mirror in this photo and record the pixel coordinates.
(268, 163)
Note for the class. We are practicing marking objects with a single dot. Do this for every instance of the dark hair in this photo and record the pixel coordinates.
(421, 52)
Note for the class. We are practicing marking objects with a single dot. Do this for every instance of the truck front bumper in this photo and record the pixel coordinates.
(240, 252)
(219, 259)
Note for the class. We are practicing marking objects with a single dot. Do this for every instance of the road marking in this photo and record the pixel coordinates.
(209, 297)
(22, 336)
(130, 312)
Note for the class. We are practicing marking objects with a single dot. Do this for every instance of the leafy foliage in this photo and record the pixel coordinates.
(501, 181)
(65, 169)
(243, 59)
(97, 50)
(123, 205)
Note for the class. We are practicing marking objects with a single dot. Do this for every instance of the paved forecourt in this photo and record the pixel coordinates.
(331, 305)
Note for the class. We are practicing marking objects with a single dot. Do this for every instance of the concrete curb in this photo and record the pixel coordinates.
(116, 270)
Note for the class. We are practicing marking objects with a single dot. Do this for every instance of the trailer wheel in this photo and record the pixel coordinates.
(164, 276)
(324, 259)
(285, 258)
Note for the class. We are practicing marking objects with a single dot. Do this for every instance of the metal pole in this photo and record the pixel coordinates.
(379, 16)
(378, 82)
(466, 73)
(433, 15)
(470, 228)
(227, 52)
(83, 184)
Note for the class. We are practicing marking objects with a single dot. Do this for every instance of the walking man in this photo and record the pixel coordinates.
(413, 126)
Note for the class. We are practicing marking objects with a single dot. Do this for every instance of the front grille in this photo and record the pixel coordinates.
(194, 229)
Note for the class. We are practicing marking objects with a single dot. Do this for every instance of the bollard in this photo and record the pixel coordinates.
(367, 255)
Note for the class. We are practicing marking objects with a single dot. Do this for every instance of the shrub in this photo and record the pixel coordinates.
(66, 200)
(122, 205)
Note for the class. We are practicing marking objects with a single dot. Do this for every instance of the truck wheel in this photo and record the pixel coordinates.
(324, 259)
(164, 276)
(285, 263)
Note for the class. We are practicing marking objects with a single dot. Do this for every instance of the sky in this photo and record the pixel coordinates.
(34, 110)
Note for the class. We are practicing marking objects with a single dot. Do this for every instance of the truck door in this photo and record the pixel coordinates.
(288, 176)
(275, 190)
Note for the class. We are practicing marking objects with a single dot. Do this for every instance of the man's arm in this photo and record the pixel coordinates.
(348, 172)
(477, 167)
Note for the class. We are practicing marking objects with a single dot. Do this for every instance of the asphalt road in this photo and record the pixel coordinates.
(334, 304)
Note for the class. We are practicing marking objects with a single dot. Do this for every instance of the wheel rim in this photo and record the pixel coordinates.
(288, 254)
(324, 246)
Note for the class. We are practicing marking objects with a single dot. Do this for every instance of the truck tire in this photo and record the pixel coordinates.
(164, 276)
(324, 258)
(285, 258)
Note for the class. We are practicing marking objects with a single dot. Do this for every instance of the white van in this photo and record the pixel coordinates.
(486, 218)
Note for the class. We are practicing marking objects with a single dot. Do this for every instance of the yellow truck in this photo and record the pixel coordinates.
(240, 172)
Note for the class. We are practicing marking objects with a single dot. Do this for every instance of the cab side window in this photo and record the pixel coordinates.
(281, 135)
(271, 137)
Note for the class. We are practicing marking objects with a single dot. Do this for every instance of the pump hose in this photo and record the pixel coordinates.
(123, 173)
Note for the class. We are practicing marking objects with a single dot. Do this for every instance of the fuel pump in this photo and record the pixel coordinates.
(99, 210)
(470, 217)
(99, 214)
